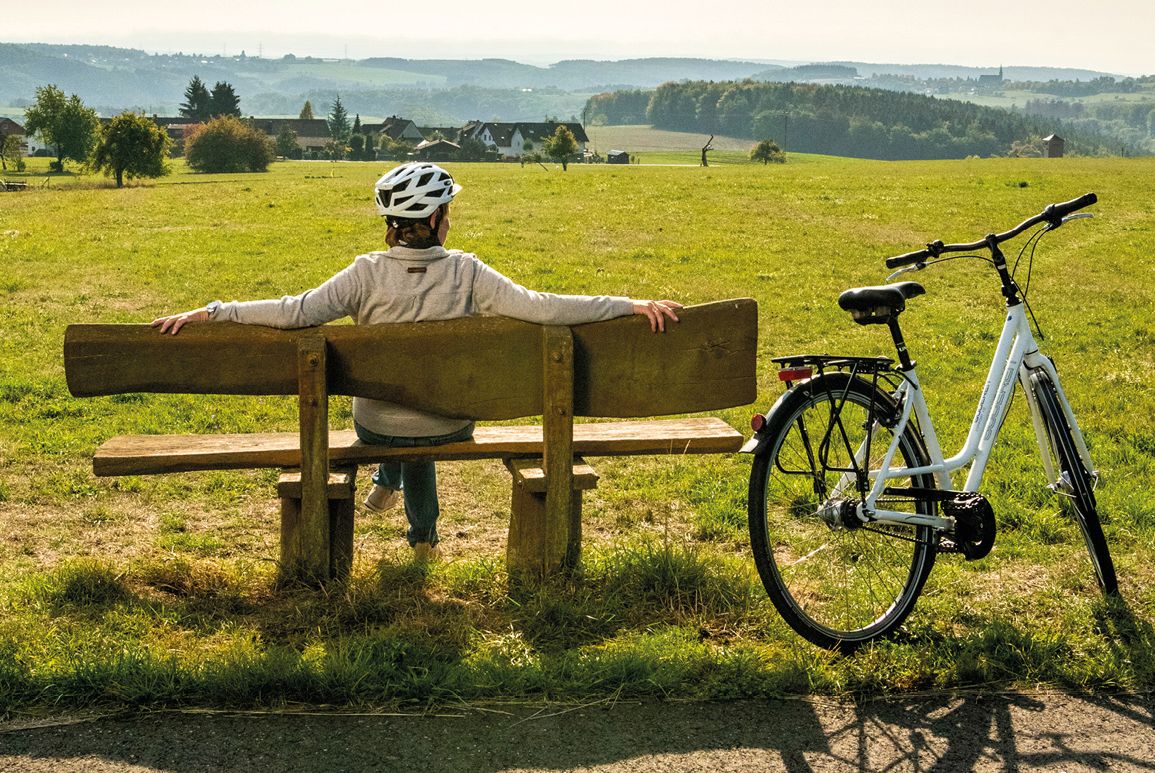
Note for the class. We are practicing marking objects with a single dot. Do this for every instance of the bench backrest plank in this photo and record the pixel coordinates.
(702, 363)
(478, 367)
(486, 368)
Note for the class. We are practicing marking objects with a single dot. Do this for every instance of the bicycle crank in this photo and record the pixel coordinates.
(974, 531)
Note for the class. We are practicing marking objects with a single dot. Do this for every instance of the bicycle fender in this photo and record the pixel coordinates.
(755, 444)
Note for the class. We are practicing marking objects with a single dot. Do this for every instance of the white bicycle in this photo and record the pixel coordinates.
(851, 497)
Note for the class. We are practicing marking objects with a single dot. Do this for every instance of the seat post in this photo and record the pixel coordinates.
(899, 343)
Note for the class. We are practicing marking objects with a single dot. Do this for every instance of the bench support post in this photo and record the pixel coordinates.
(539, 537)
(306, 552)
(340, 493)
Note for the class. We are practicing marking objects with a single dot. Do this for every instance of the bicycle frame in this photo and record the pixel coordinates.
(1016, 357)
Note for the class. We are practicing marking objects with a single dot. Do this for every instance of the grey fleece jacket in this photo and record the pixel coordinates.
(408, 285)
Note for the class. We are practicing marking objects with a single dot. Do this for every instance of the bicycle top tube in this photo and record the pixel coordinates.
(1053, 215)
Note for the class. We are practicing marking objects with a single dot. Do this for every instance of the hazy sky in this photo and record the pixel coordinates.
(1110, 35)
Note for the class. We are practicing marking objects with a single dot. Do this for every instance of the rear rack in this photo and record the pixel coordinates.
(824, 362)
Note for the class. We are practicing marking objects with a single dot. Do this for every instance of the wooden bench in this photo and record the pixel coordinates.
(484, 368)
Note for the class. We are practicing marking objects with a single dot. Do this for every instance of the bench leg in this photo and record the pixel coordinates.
(529, 552)
(540, 544)
(294, 560)
(341, 526)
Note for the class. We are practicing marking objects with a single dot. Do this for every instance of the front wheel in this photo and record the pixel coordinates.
(1074, 480)
(838, 583)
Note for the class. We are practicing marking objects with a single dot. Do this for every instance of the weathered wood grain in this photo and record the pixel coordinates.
(557, 453)
(702, 363)
(156, 454)
(486, 368)
(311, 544)
(214, 358)
(529, 474)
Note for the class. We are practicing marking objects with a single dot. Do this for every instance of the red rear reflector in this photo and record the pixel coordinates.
(757, 422)
(794, 374)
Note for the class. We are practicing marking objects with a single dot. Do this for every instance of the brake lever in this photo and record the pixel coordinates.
(1078, 216)
(905, 269)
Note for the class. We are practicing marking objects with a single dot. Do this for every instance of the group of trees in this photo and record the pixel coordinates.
(128, 146)
(1132, 124)
(131, 145)
(201, 105)
(841, 120)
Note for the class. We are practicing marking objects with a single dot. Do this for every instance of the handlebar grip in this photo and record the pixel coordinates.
(1059, 211)
(908, 258)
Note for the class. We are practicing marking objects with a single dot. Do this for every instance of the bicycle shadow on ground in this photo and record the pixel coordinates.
(962, 732)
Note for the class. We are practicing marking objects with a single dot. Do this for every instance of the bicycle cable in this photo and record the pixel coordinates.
(1033, 243)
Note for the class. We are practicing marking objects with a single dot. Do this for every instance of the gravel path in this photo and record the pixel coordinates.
(950, 733)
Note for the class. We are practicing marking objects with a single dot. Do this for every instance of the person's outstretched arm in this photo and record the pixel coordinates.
(495, 293)
(332, 300)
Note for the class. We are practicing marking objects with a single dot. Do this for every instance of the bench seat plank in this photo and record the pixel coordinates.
(152, 454)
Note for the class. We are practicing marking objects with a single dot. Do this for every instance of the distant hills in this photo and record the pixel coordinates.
(435, 91)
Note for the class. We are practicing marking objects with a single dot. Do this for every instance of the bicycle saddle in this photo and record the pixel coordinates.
(877, 305)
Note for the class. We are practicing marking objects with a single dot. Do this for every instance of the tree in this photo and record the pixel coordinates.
(473, 149)
(228, 144)
(287, 142)
(197, 105)
(357, 146)
(394, 150)
(561, 146)
(63, 122)
(338, 121)
(132, 145)
(306, 111)
(11, 150)
(767, 151)
(224, 101)
(357, 124)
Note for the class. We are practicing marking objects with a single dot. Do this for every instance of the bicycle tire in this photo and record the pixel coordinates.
(1082, 493)
(839, 588)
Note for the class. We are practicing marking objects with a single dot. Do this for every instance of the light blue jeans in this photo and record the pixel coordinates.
(416, 480)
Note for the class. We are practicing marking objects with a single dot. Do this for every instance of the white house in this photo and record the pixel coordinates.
(509, 139)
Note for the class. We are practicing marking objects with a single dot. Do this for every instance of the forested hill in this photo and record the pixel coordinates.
(839, 120)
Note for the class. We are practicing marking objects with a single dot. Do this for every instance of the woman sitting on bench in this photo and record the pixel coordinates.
(416, 280)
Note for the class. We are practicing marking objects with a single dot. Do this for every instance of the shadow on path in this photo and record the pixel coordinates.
(948, 733)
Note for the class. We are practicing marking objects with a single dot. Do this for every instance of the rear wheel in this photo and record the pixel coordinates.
(1075, 482)
(838, 583)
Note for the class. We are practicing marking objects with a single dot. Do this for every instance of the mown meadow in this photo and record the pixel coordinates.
(159, 591)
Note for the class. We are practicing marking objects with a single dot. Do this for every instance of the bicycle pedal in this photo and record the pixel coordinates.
(974, 532)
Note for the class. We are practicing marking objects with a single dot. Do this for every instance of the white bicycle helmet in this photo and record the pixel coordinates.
(414, 190)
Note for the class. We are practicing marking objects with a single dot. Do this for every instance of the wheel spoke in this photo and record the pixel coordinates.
(838, 586)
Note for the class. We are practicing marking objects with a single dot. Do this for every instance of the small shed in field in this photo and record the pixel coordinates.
(618, 157)
(1054, 145)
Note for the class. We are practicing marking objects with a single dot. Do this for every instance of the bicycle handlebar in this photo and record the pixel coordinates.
(1053, 214)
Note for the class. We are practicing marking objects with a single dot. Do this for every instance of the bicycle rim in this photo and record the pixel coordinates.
(838, 587)
(1076, 484)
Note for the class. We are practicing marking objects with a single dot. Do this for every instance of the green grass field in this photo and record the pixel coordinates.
(158, 591)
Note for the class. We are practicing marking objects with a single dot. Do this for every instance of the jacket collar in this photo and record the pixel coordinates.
(408, 253)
